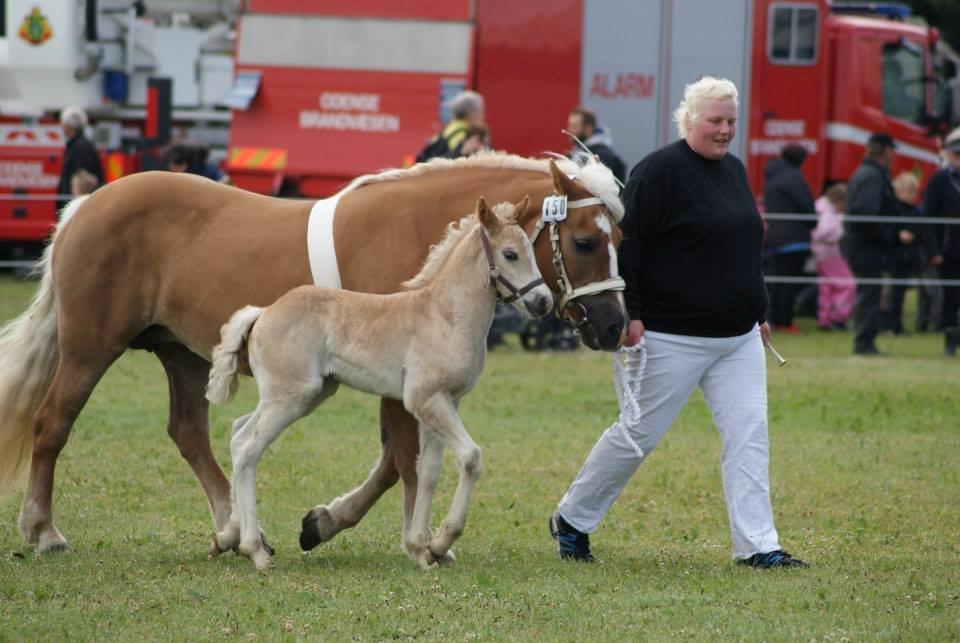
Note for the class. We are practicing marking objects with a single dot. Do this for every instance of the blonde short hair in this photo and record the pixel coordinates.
(696, 94)
(906, 181)
(74, 117)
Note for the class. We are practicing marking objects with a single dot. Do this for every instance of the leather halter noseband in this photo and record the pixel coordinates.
(567, 292)
(496, 277)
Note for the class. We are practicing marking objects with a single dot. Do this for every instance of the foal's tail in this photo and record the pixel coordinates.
(28, 359)
(222, 385)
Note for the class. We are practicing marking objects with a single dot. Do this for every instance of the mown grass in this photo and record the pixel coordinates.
(865, 456)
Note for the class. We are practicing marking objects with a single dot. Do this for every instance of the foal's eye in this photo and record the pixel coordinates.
(510, 255)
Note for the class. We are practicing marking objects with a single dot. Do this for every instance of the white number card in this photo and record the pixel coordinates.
(555, 208)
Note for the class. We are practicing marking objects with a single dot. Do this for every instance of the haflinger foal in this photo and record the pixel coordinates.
(424, 346)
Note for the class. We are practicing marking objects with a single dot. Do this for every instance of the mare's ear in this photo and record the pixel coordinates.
(486, 216)
(561, 181)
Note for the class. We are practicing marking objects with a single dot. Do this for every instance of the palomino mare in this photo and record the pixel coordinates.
(159, 261)
(404, 346)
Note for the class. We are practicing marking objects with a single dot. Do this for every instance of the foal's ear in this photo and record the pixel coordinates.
(520, 209)
(486, 216)
(561, 181)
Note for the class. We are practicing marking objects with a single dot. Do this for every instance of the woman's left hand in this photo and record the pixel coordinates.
(765, 333)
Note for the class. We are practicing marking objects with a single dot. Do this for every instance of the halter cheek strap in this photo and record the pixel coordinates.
(567, 292)
(497, 279)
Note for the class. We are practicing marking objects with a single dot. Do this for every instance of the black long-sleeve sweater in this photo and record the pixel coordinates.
(692, 248)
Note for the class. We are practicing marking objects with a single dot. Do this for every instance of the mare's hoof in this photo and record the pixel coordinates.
(316, 527)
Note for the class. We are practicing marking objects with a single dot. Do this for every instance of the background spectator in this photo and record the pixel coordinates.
(942, 199)
(82, 182)
(582, 123)
(834, 300)
(474, 140)
(910, 257)
(867, 246)
(79, 153)
(467, 108)
(194, 159)
(786, 191)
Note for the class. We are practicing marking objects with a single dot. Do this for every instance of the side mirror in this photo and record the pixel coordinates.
(940, 114)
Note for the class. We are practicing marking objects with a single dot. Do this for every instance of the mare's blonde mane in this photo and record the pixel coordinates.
(456, 232)
(596, 177)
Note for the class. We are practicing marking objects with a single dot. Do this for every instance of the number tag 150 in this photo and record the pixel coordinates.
(555, 208)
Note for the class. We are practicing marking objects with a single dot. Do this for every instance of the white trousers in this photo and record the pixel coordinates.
(654, 381)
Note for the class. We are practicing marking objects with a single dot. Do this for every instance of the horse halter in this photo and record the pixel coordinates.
(567, 292)
(497, 278)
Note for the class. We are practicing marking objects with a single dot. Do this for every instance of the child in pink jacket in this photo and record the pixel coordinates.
(835, 299)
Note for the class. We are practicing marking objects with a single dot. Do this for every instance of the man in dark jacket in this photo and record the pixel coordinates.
(785, 191)
(79, 153)
(582, 123)
(942, 199)
(868, 246)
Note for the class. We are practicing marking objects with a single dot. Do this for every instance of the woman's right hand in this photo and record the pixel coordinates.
(634, 332)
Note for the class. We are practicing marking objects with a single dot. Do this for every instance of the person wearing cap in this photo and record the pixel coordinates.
(79, 153)
(942, 199)
(868, 246)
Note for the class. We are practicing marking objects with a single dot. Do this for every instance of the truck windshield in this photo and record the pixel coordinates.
(903, 81)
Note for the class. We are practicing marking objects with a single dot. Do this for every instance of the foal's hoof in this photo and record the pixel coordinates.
(447, 559)
(215, 549)
(262, 560)
(54, 547)
(317, 527)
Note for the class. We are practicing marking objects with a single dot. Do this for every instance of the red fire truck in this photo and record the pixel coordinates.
(324, 90)
(341, 87)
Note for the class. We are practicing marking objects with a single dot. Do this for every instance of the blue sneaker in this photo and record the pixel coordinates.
(571, 544)
(772, 559)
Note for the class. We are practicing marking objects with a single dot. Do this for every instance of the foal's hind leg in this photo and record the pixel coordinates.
(398, 435)
(246, 448)
(74, 380)
(189, 427)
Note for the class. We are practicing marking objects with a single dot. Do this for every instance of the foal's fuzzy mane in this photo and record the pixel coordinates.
(456, 232)
(596, 177)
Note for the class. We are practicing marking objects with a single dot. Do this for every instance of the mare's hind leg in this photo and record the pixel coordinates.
(188, 425)
(398, 435)
(75, 378)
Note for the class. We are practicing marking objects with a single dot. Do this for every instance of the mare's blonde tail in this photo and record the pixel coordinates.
(28, 359)
(222, 385)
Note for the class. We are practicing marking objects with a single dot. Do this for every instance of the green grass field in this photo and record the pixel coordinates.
(866, 485)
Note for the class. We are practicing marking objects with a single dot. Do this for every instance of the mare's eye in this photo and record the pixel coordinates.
(510, 255)
(585, 245)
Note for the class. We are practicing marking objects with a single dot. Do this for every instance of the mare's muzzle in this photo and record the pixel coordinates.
(600, 319)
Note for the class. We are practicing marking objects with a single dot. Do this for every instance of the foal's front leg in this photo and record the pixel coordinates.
(417, 537)
(469, 464)
(441, 425)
